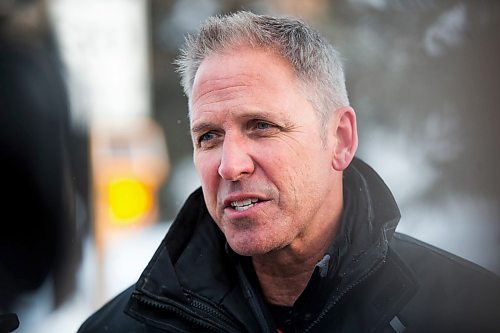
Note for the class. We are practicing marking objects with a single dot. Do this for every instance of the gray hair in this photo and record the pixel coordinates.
(314, 60)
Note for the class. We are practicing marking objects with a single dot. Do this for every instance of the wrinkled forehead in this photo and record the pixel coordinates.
(238, 70)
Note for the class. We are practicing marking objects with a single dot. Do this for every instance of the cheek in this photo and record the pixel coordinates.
(299, 175)
(207, 166)
(286, 165)
(208, 178)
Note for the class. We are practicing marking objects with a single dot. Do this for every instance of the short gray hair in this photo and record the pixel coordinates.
(315, 61)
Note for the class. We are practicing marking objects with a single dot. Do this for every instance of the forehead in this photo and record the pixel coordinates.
(241, 62)
(240, 78)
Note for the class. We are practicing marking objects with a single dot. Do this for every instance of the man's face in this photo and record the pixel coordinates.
(266, 173)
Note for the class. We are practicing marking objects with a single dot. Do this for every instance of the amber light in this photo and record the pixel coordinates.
(129, 199)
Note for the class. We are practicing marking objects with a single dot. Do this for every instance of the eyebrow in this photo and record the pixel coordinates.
(201, 127)
(278, 118)
(264, 115)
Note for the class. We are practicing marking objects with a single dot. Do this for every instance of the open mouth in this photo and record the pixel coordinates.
(245, 204)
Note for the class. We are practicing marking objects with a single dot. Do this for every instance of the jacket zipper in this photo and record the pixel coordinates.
(215, 313)
(342, 294)
(227, 324)
(252, 299)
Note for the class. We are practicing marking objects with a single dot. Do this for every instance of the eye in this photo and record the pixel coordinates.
(261, 125)
(207, 140)
(206, 137)
(262, 128)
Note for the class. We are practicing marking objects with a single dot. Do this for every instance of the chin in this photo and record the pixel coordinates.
(246, 250)
(251, 247)
(247, 239)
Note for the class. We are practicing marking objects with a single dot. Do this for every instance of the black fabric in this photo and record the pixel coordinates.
(373, 278)
(283, 317)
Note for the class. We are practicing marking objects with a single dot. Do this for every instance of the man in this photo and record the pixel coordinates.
(289, 232)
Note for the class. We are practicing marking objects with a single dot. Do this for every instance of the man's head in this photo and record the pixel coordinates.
(314, 60)
(270, 166)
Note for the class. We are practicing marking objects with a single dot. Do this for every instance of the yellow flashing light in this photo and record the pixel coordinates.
(129, 199)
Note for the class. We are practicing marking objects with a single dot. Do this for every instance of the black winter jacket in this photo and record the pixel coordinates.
(376, 280)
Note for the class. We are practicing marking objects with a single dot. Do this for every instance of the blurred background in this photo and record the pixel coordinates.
(96, 157)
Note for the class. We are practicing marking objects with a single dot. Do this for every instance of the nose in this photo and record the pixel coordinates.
(235, 162)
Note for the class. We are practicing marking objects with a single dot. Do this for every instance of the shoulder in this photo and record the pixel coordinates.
(112, 318)
(422, 257)
(450, 290)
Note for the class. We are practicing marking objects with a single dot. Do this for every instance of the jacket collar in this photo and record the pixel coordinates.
(368, 222)
(192, 260)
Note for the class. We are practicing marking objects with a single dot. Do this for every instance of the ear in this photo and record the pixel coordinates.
(346, 137)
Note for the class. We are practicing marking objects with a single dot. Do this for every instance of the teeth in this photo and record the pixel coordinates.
(243, 204)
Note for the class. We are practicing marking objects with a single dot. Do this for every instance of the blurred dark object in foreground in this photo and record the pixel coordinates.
(38, 236)
(8, 322)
